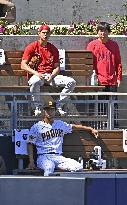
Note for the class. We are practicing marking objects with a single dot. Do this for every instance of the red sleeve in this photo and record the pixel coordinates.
(118, 63)
(28, 52)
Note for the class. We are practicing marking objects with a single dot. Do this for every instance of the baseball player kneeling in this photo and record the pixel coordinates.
(47, 135)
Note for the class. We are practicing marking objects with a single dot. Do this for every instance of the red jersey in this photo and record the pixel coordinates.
(106, 61)
(48, 56)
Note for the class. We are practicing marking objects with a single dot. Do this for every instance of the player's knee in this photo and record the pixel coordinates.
(71, 83)
(77, 167)
(34, 81)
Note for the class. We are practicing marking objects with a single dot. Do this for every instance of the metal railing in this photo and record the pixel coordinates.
(99, 110)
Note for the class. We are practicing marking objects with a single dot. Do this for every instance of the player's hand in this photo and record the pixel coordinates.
(48, 78)
(95, 133)
(39, 75)
(31, 165)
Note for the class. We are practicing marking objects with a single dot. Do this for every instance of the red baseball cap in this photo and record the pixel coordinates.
(44, 27)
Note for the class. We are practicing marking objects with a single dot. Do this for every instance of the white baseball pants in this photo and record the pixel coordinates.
(66, 82)
(48, 162)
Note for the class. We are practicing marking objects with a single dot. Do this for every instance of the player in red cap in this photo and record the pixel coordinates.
(44, 27)
(46, 69)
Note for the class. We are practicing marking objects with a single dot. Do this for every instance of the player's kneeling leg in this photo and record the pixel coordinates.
(70, 165)
(45, 164)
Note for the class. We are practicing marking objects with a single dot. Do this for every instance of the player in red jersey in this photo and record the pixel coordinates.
(46, 69)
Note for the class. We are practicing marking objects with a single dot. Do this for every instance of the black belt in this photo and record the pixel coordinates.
(49, 153)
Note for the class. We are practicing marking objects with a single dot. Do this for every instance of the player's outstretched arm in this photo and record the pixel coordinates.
(31, 164)
(89, 129)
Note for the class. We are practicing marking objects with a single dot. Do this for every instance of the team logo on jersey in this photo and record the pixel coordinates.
(51, 134)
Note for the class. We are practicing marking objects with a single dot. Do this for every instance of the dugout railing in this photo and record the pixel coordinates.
(86, 108)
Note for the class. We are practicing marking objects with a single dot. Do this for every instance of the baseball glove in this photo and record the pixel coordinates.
(33, 63)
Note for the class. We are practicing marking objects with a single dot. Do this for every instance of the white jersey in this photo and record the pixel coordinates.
(49, 138)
